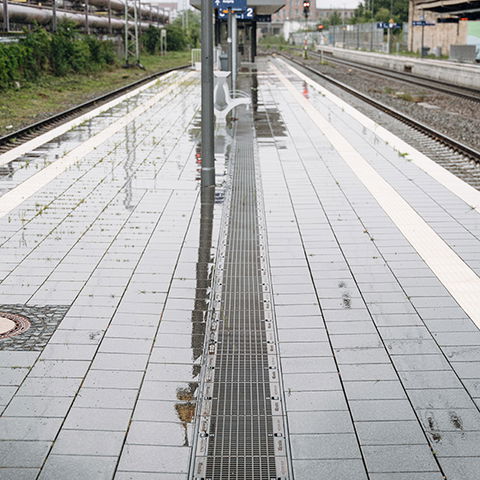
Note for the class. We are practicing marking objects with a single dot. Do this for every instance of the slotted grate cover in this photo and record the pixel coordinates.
(241, 423)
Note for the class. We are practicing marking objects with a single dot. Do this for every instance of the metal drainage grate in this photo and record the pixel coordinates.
(241, 423)
(41, 323)
(12, 324)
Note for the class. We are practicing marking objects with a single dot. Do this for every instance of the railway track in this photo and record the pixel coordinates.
(446, 141)
(436, 85)
(31, 131)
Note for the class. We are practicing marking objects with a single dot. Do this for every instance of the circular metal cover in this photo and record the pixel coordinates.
(12, 324)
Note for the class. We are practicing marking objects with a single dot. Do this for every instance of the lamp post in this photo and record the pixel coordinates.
(306, 11)
(208, 118)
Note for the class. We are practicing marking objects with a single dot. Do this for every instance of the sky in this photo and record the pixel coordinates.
(337, 3)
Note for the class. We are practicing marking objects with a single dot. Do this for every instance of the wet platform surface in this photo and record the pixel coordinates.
(109, 249)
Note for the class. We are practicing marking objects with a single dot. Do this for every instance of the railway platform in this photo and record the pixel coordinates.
(315, 315)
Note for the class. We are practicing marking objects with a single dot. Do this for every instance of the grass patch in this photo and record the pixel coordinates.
(35, 101)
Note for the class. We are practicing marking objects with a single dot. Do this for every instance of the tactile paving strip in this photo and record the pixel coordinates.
(241, 432)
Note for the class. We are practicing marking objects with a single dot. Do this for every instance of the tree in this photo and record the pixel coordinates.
(399, 10)
(335, 19)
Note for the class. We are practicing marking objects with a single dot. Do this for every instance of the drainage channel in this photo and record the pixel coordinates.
(241, 430)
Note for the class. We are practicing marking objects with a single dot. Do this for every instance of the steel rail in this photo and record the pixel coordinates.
(443, 87)
(30, 131)
(445, 140)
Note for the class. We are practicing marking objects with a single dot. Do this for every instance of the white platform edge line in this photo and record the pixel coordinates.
(457, 277)
(465, 192)
(36, 142)
(26, 189)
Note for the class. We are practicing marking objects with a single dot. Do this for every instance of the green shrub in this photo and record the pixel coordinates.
(176, 38)
(151, 39)
(60, 53)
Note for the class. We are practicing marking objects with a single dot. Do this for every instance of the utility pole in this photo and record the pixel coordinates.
(87, 26)
(131, 35)
(54, 16)
(234, 52)
(230, 45)
(6, 20)
(208, 118)
(422, 50)
(109, 17)
(306, 11)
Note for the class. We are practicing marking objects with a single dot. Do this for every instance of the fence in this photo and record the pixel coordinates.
(361, 36)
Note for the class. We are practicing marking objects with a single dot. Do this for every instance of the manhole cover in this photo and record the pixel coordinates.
(12, 324)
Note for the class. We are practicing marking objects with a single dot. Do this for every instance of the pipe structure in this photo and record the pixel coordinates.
(28, 14)
(119, 6)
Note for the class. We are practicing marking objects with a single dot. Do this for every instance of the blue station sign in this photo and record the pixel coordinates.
(388, 25)
(247, 14)
(234, 5)
(422, 23)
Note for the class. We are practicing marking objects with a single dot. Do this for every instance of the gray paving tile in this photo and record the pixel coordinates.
(440, 399)
(329, 446)
(23, 453)
(113, 379)
(106, 398)
(407, 363)
(76, 467)
(88, 443)
(120, 361)
(351, 327)
(397, 320)
(148, 458)
(390, 433)
(350, 469)
(159, 433)
(125, 345)
(302, 335)
(378, 410)
(412, 347)
(314, 349)
(376, 371)
(156, 411)
(49, 387)
(29, 428)
(407, 476)
(313, 401)
(399, 458)
(20, 473)
(308, 365)
(298, 382)
(356, 341)
(149, 476)
(374, 390)
(98, 419)
(345, 356)
(319, 422)
(17, 359)
(60, 368)
(6, 394)
(430, 379)
(38, 407)
(69, 352)
(171, 372)
(11, 376)
(455, 444)
(461, 468)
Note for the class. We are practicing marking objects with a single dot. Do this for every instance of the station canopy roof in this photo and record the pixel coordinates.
(262, 7)
(460, 8)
